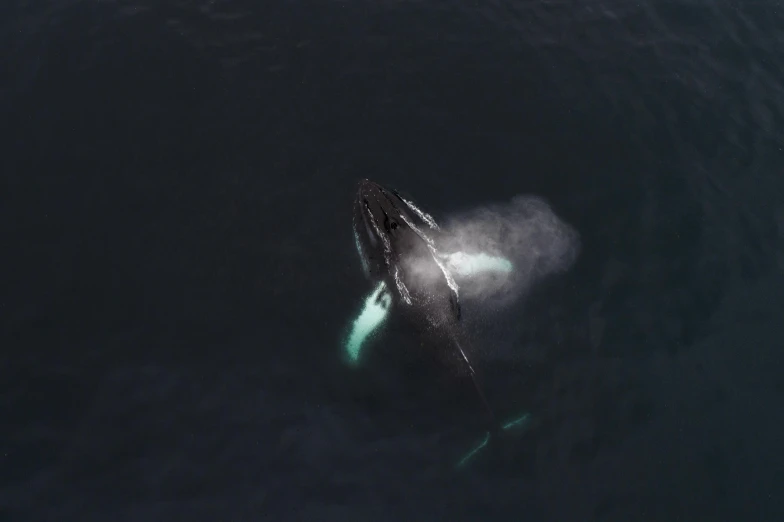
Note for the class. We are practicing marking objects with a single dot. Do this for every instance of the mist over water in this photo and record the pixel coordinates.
(525, 231)
(494, 254)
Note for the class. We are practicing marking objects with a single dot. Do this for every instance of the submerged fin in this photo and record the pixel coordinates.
(373, 313)
(464, 265)
(495, 429)
(520, 422)
(472, 453)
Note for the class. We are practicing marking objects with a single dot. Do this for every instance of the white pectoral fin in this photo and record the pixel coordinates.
(464, 265)
(374, 311)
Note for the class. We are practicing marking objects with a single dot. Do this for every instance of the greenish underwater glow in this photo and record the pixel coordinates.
(522, 420)
(474, 451)
(373, 314)
(469, 264)
(519, 421)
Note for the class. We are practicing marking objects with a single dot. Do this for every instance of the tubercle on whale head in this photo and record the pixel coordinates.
(378, 225)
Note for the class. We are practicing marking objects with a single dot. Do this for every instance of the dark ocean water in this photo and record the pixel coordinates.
(176, 181)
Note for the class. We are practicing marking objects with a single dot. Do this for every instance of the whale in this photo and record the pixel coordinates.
(398, 246)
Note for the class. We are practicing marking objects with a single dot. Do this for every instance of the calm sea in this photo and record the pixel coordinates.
(177, 266)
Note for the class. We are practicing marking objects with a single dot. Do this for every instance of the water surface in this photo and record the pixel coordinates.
(178, 263)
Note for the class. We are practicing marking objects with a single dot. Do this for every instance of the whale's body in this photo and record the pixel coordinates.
(396, 244)
(398, 248)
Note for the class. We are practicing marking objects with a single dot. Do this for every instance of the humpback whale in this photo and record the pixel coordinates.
(397, 243)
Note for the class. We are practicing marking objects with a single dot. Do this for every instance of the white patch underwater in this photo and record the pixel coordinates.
(498, 251)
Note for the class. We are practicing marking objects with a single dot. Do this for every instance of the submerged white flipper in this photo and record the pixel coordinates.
(374, 312)
(463, 265)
